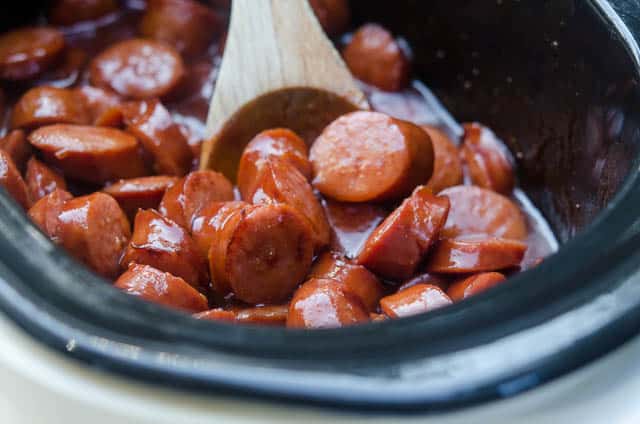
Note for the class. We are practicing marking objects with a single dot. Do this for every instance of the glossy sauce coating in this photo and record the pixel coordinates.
(470, 286)
(44, 213)
(415, 300)
(140, 193)
(48, 105)
(42, 180)
(455, 256)
(12, 181)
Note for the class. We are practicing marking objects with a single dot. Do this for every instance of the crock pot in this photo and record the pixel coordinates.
(558, 81)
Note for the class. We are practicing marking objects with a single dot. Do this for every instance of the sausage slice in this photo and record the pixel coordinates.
(16, 145)
(90, 154)
(26, 52)
(470, 286)
(217, 314)
(49, 105)
(140, 193)
(160, 287)
(99, 103)
(324, 303)
(468, 256)
(398, 245)
(69, 12)
(207, 223)
(369, 156)
(275, 315)
(12, 181)
(138, 69)
(44, 213)
(334, 15)
(415, 300)
(447, 166)
(42, 180)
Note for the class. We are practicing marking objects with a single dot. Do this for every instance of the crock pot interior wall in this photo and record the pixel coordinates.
(547, 76)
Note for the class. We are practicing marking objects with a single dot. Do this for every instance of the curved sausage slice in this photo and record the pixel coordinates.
(138, 69)
(44, 213)
(163, 244)
(69, 12)
(469, 256)
(187, 25)
(49, 105)
(261, 253)
(334, 15)
(487, 159)
(447, 166)
(140, 193)
(217, 314)
(415, 300)
(479, 212)
(425, 278)
(99, 103)
(161, 287)
(41, 180)
(281, 143)
(369, 156)
(375, 57)
(324, 303)
(474, 284)
(281, 182)
(398, 245)
(16, 145)
(190, 195)
(26, 52)
(95, 230)
(207, 223)
(275, 315)
(90, 154)
(152, 124)
(355, 278)
(12, 181)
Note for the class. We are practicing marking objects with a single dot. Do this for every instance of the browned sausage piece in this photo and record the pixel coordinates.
(425, 278)
(279, 142)
(487, 159)
(281, 182)
(263, 315)
(90, 154)
(44, 213)
(479, 212)
(95, 230)
(205, 224)
(216, 315)
(12, 181)
(161, 287)
(415, 300)
(190, 195)
(99, 102)
(163, 244)
(447, 166)
(152, 124)
(479, 255)
(140, 193)
(324, 303)
(69, 12)
(261, 253)
(470, 286)
(187, 25)
(66, 71)
(398, 245)
(355, 278)
(334, 15)
(26, 52)
(15, 143)
(49, 105)
(369, 156)
(138, 69)
(375, 57)
(41, 180)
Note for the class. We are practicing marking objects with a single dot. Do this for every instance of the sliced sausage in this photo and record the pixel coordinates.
(12, 181)
(415, 300)
(138, 69)
(49, 105)
(470, 286)
(216, 315)
(355, 278)
(370, 156)
(447, 166)
(264, 315)
(160, 287)
(281, 182)
(324, 303)
(281, 143)
(261, 253)
(398, 245)
(69, 12)
(42, 180)
(333, 15)
(186, 25)
(190, 195)
(205, 224)
(16, 145)
(425, 278)
(479, 212)
(163, 244)
(95, 230)
(67, 70)
(44, 213)
(487, 159)
(26, 52)
(140, 193)
(99, 102)
(152, 124)
(90, 154)
(375, 57)
(481, 255)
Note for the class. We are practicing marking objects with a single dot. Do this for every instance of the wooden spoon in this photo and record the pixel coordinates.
(279, 70)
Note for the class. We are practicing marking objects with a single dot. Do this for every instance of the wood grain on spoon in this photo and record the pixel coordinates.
(279, 70)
